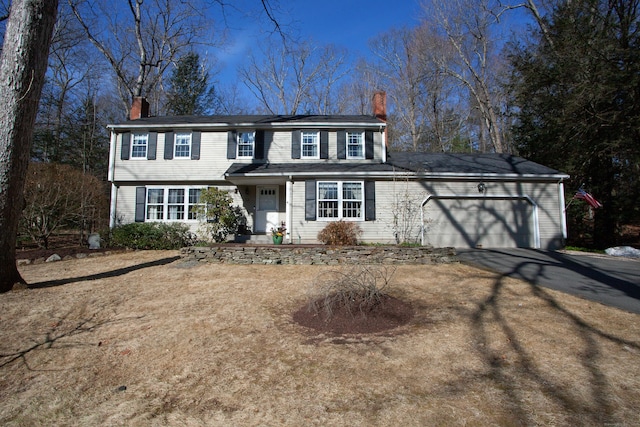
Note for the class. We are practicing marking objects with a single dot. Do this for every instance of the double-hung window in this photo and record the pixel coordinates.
(139, 145)
(175, 204)
(246, 144)
(155, 204)
(182, 146)
(194, 202)
(310, 142)
(340, 200)
(355, 145)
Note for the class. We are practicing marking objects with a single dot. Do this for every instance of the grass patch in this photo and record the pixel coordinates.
(130, 339)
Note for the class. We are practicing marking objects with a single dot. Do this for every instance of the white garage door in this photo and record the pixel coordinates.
(479, 222)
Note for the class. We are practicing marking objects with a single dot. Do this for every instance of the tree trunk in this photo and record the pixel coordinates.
(22, 68)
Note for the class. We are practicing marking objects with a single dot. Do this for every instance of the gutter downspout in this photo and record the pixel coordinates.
(563, 212)
(111, 179)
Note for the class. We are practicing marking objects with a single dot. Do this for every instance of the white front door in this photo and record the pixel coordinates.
(266, 209)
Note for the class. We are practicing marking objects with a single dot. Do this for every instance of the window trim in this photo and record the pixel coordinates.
(176, 135)
(239, 144)
(316, 134)
(341, 200)
(134, 137)
(361, 144)
(186, 203)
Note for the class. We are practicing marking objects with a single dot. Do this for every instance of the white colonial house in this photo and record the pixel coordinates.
(309, 170)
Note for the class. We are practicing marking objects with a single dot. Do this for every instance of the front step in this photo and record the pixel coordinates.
(254, 239)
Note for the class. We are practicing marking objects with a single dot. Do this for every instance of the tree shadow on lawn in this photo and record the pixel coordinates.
(58, 335)
(512, 376)
(104, 275)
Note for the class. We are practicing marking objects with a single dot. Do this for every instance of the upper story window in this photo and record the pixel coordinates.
(355, 145)
(139, 145)
(182, 147)
(310, 142)
(340, 200)
(246, 144)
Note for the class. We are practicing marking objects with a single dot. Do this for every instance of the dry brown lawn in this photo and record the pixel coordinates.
(134, 339)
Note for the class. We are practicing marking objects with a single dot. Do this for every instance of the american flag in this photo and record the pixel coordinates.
(583, 195)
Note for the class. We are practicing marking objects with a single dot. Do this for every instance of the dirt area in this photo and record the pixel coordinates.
(141, 338)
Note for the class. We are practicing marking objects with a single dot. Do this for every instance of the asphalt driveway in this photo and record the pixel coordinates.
(609, 280)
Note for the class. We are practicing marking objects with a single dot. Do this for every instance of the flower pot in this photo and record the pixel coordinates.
(277, 240)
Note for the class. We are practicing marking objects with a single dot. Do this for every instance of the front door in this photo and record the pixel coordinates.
(266, 209)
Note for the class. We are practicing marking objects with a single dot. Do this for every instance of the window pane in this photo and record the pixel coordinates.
(328, 209)
(176, 195)
(352, 190)
(328, 190)
(155, 196)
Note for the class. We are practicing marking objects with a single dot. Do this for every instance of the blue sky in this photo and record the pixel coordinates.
(351, 23)
(346, 23)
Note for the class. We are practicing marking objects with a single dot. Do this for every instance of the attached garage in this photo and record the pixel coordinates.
(486, 200)
(480, 221)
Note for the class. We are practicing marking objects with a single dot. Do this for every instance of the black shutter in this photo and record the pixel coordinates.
(141, 196)
(324, 144)
(310, 200)
(295, 144)
(259, 145)
(231, 144)
(369, 200)
(342, 144)
(368, 144)
(125, 146)
(169, 140)
(152, 145)
(195, 145)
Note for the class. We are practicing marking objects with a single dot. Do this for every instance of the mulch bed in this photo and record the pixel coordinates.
(388, 314)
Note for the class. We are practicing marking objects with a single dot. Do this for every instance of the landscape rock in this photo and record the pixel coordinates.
(94, 241)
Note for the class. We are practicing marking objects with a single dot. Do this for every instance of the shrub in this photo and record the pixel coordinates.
(58, 196)
(151, 235)
(354, 291)
(340, 233)
(218, 217)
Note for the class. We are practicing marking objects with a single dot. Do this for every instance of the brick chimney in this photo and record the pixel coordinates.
(380, 105)
(139, 108)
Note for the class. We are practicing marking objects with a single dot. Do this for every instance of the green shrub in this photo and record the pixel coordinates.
(340, 233)
(219, 218)
(151, 235)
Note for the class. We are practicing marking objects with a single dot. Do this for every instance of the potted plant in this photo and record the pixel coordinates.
(277, 233)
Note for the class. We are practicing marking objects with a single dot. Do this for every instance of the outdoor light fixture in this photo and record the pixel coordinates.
(481, 187)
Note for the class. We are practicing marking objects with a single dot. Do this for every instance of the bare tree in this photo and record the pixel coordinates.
(468, 26)
(399, 68)
(142, 40)
(295, 78)
(22, 68)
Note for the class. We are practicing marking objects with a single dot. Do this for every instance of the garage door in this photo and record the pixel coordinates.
(479, 222)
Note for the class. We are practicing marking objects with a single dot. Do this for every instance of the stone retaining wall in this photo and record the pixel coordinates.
(318, 255)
